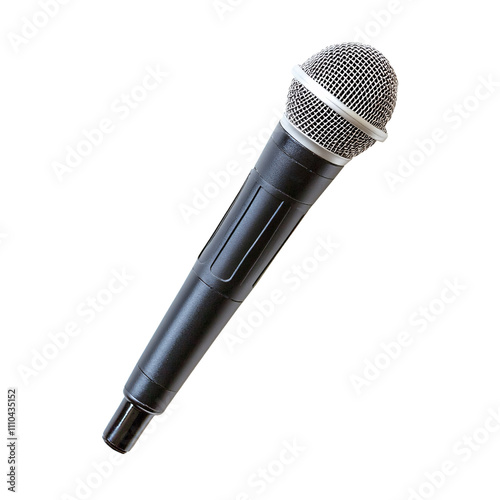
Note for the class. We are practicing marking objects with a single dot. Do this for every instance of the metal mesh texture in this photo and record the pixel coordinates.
(359, 76)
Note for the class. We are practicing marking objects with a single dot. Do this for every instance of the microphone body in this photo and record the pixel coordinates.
(287, 179)
(338, 104)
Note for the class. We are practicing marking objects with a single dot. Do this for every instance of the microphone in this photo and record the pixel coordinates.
(338, 105)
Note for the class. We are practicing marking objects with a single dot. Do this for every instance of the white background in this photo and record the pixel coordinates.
(292, 379)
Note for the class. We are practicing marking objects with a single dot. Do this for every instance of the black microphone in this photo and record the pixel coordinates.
(338, 105)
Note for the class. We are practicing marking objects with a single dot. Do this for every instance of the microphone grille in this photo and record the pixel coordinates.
(362, 79)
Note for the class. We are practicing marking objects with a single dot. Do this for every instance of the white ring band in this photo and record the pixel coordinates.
(332, 102)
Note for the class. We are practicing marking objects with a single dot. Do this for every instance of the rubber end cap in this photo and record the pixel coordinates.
(126, 426)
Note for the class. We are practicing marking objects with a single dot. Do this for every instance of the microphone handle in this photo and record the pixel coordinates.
(286, 181)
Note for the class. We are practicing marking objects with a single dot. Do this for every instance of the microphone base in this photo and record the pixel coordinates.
(126, 426)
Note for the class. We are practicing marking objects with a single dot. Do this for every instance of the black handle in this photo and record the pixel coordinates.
(286, 181)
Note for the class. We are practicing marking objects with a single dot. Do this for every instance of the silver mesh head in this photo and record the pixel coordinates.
(359, 76)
